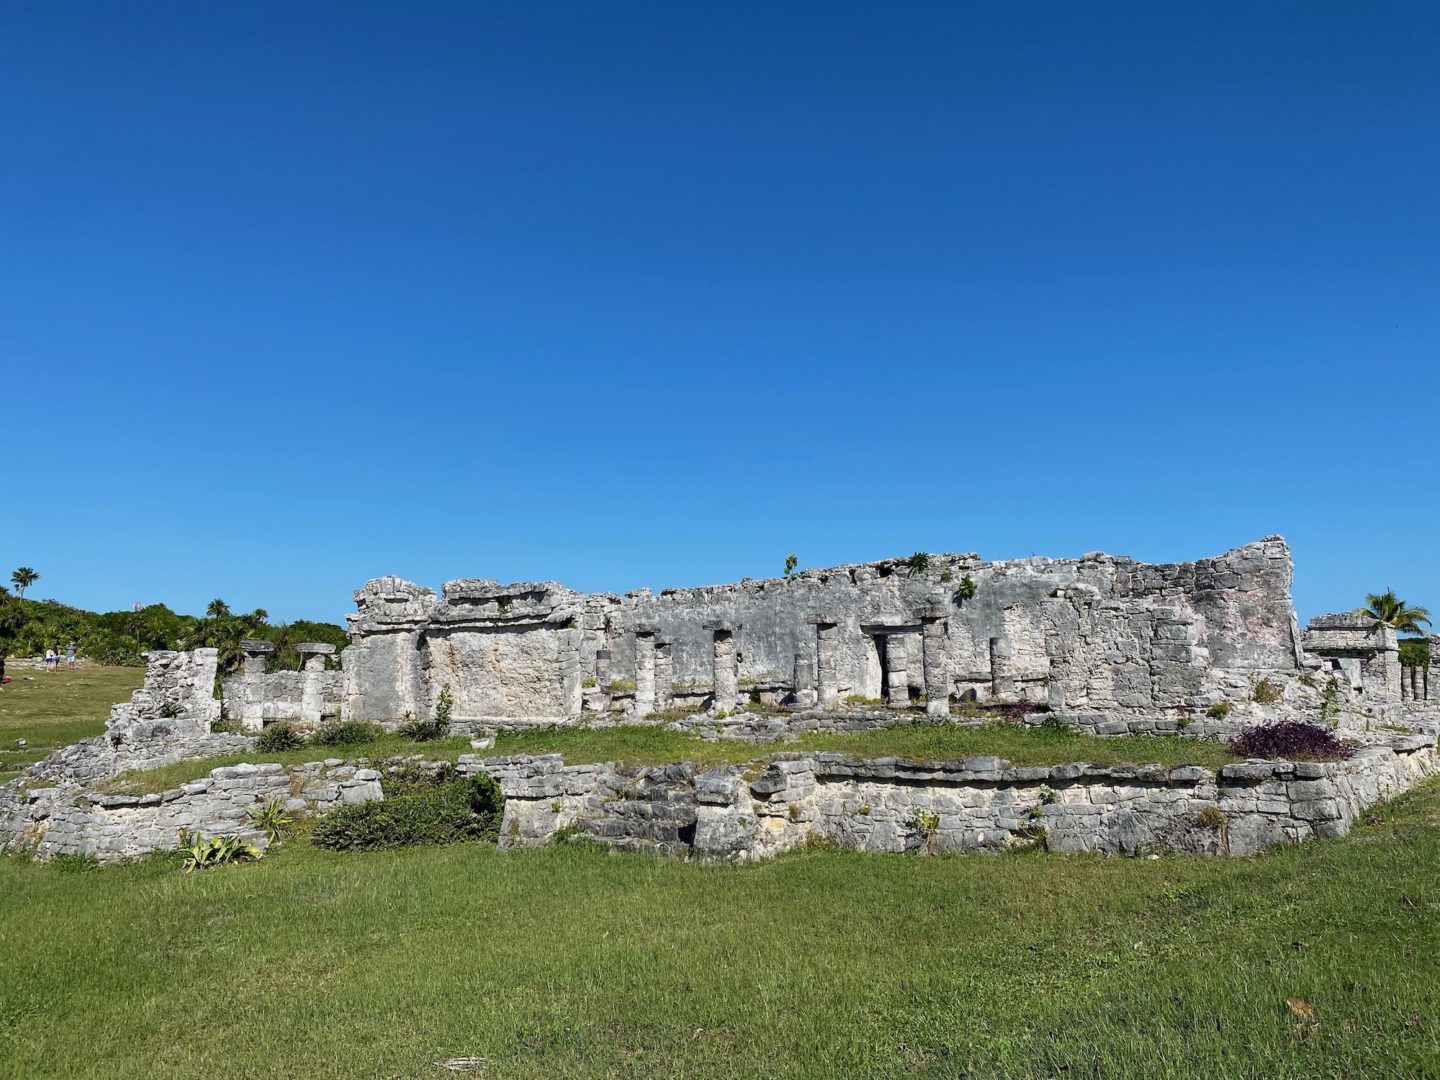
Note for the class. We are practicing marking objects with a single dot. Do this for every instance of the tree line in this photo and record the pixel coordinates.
(29, 627)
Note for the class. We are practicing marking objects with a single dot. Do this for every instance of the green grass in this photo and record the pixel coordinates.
(647, 745)
(572, 962)
(49, 710)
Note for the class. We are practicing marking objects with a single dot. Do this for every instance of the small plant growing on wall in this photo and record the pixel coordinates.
(1330, 701)
(271, 819)
(1220, 710)
(1265, 693)
(791, 561)
(966, 589)
(918, 563)
(927, 824)
(1212, 817)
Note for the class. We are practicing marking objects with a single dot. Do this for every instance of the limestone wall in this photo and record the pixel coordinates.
(109, 827)
(282, 695)
(1100, 634)
(976, 805)
(179, 689)
(980, 804)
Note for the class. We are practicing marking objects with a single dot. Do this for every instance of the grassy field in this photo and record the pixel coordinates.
(572, 962)
(644, 745)
(52, 709)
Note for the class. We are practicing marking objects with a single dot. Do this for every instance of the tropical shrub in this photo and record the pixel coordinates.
(278, 737)
(1290, 740)
(218, 851)
(348, 733)
(440, 808)
(427, 730)
(271, 819)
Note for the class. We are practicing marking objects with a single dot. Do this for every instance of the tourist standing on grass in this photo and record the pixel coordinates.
(70, 653)
(50, 659)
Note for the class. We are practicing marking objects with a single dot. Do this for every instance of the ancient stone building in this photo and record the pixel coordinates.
(1101, 637)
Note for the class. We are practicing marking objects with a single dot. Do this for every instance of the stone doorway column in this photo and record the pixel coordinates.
(827, 662)
(664, 675)
(644, 672)
(936, 659)
(1002, 669)
(312, 685)
(897, 673)
(252, 707)
(727, 670)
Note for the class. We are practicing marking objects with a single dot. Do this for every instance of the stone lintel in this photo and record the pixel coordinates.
(262, 646)
(318, 647)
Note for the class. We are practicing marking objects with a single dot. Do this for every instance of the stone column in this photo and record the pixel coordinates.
(727, 670)
(804, 678)
(664, 674)
(1432, 673)
(934, 632)
(312, 686)
(601, 700)
(644, 672)
(1002, 669)
(897, 674)
(1384, 674)
(827, 663)
(252, 709)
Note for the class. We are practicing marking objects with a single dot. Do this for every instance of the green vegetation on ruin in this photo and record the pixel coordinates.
(637, 744)
(576, 962)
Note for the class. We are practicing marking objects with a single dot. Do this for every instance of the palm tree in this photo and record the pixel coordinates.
(22, 579)
(1387, 609)
(217, 609)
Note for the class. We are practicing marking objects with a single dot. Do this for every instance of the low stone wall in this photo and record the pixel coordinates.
(157, 743)
(738, 813)
(975, 805)
(110, 827)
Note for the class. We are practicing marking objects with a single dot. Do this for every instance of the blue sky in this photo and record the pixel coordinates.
(294, 295)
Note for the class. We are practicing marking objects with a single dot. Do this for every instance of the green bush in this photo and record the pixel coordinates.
(217, 851)
(437, 809)
(1220, 710)
(427, 730)
(348, 733)
(278, 737)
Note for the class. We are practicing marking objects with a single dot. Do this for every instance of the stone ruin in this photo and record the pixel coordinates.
(1101, 644)
(1109, 644)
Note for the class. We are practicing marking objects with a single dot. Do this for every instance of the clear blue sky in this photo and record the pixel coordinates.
(293, 295)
